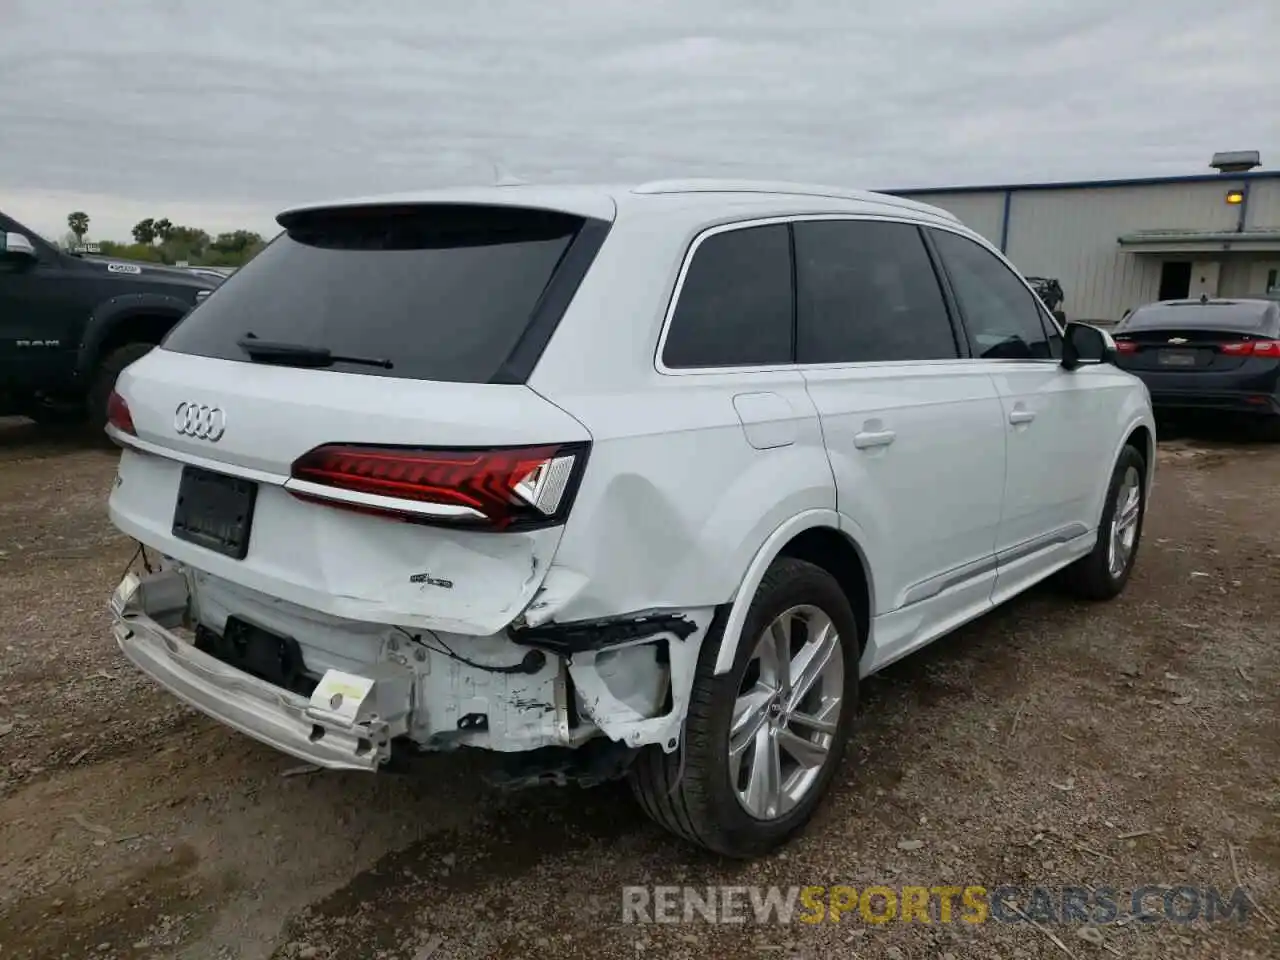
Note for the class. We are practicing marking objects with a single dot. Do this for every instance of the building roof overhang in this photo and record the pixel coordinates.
(1201, 241)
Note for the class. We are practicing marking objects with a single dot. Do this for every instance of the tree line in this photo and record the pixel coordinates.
(161, 241)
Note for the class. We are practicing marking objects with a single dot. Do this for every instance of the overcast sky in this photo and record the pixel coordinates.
(219, 113)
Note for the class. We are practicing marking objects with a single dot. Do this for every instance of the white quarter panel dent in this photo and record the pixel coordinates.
(676, 501)
(350, 565)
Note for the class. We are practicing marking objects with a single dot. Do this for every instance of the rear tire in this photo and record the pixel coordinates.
(704, 796)
(104, 380)
(1102, 574)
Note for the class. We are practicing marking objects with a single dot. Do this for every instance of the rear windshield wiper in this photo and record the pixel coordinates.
(300, 354)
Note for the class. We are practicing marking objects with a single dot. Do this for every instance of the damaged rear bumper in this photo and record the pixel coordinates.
(347, 724)
(627, 679)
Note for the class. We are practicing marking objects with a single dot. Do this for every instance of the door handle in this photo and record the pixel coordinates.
(873, 438)
(1021, 416)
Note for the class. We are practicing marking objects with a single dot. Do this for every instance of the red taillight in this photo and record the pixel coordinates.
(1252, 348)
(1126, 346)
(500, 489)
(118, 414)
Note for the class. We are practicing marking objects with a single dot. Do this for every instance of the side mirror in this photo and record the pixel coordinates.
(1082, 344)
(16, 246)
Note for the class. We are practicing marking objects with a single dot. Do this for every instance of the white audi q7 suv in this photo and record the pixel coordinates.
(634, 481)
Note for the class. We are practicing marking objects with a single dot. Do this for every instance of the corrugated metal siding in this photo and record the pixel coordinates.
(1071, 234)
(981, 212)
(1264, 204)
(1235, 278)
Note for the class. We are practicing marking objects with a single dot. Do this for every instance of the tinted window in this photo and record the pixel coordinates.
(867, 291)
(443, 292)
(1002, 317)
(1226, 315)
(735, 304)
(12, 261)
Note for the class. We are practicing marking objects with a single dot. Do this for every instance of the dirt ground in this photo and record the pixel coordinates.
(1048, 744)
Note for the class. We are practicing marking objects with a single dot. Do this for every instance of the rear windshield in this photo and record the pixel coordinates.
(1241, 317)
(442, 292)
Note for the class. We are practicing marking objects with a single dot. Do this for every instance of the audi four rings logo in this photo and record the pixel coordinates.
(201, 422)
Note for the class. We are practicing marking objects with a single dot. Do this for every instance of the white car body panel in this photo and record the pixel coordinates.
(696, 480)
(924, 527)
(1052, 497)
(336, 562)
(928, 533)
(682, 535)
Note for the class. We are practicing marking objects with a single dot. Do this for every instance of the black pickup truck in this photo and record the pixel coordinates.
(70, 323)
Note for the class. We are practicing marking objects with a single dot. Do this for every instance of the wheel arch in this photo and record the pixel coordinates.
(1141, 433)
(1143, 437)
(132, 318)
(815, 536)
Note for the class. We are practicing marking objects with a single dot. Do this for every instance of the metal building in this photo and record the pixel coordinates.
(1117, 244)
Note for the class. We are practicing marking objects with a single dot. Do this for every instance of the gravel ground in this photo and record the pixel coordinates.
(1048, 744)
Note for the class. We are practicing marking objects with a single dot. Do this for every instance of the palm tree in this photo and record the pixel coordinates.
(144, 231)
(79, 224)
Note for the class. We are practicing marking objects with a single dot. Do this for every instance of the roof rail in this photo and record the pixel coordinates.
(712, 185)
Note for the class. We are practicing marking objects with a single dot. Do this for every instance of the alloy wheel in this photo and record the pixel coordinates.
(1124, 522)
(786, 713)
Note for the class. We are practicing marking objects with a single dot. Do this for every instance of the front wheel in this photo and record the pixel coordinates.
(762, 741)
(1103, 572)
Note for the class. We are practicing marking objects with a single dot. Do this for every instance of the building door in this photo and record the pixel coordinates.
(1175, 280)
(1204, 278)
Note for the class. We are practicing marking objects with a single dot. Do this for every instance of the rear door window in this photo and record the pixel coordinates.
(735, 306)
(867, 292)
(443, 292)
(1002, 317)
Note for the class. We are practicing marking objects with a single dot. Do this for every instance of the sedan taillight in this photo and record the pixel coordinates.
(501, 488)
(118, 414)
(1252, 348)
